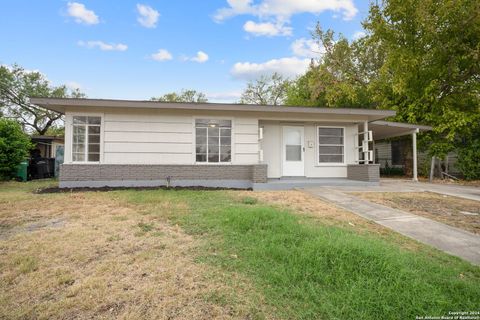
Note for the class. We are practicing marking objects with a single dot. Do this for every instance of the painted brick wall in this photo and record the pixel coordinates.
(364, 172)
(112, 172)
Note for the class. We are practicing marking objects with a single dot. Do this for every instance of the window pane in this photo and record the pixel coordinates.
(202, 132)
(213, 132)
(213, 157)
(225, 153)
(213, 141)
(201, 148)
(213, 123)
(337, 132)
(93, 138)
(294, 153)
(78, 130)
(78, 148)
(225, 132)
(293, 137)
(212, 149)
(94, 129)
(201, 157)
(201, 139)
(330, 150)
(79, 120)
(93, 148)
(93, 157)
(225, 157)
(330, 140)
(78, 138)
(225, 141)
(331, 158)
(94, 120)
(79, 157)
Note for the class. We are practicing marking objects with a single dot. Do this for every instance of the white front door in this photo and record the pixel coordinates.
(292, 151)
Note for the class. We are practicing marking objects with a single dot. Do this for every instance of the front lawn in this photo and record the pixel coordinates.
(214, 254)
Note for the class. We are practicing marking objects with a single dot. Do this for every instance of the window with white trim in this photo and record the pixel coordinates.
(213, 140)
(86, 139)
(330, 145)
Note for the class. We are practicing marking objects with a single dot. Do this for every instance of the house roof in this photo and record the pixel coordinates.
(61, 105)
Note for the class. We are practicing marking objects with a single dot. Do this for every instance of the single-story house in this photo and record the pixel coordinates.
(147, 143)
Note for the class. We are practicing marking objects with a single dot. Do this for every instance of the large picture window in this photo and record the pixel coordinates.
(330, 145)
(86, 139)
(213, 140)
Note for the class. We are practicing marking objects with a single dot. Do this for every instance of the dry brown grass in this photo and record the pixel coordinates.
(106, 260)
(442, 208)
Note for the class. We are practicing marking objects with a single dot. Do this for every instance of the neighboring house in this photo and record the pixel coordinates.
(47, 145)
(146, 143)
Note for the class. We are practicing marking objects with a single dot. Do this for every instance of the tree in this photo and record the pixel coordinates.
(191, 96)
(340, 76)
(431, 70)
(267, 90)
(17, 85)
(14, 147)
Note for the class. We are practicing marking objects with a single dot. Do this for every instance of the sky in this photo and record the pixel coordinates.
(140, 49)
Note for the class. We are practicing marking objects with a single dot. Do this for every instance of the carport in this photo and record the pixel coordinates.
(388, 129)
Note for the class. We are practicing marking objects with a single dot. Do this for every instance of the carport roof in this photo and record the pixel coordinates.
(388, 129)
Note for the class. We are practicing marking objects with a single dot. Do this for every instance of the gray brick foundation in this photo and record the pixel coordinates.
(116, 175)
(364, 172)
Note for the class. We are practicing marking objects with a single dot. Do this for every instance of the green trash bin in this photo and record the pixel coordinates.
(21, 174)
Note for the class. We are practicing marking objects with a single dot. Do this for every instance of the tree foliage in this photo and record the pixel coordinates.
(340, 76)
(431, 70)
(17, 85)
(190, 95)
(14, 147)
(266, 90)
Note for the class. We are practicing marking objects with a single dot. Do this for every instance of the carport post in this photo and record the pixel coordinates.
(414, 145)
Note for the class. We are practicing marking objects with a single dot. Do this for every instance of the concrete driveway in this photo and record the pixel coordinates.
(397, 185)
(452, 240)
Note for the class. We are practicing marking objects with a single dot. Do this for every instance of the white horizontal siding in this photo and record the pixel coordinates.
(158, 118)
(139, 126)
(150, 137)
(246, 141)
(147, 158)
(169, 139)
(142, 147)
(247, 148)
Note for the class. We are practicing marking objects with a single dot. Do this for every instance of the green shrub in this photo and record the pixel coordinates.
(14, 147)
(468, 160)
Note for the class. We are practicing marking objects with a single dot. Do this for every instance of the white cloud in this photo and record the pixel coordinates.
(308, 48)
(358, 34)
(201, 57)
(148, 16)
(81, 14)
(288, 67)
(162, 55)
(267, 29)
(103, 46)
(284, 9)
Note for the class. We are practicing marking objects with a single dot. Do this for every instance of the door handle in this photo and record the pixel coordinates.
(303, 149)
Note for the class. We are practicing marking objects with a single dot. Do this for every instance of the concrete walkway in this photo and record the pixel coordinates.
(452, 240)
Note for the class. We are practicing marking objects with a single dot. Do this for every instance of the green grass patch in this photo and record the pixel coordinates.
(309, 270)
